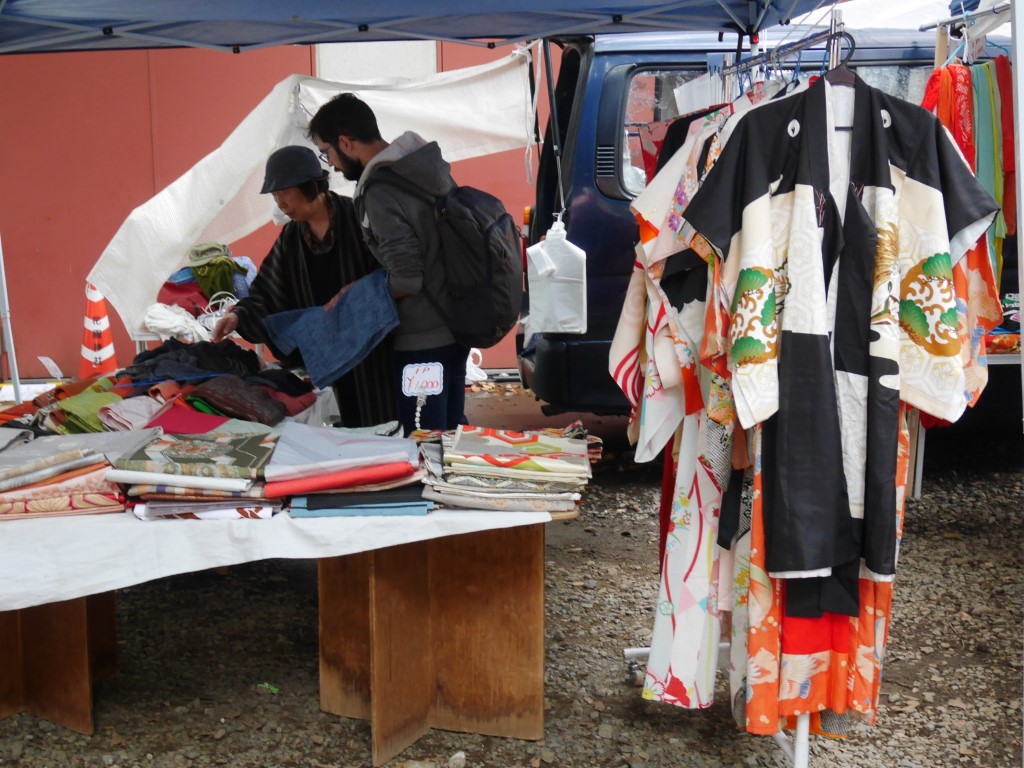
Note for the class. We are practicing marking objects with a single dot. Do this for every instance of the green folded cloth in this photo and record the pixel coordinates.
(204, 407)
(82, 411)
(215, 274)
(204, 253)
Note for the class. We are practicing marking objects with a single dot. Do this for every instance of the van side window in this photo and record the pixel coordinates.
(650, 106)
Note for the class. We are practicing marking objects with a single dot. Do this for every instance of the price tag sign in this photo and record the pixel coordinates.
(51, 367)
(422, 379)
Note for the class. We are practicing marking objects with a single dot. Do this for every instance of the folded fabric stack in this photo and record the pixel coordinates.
(209, 475)
(1004, 339)
(406, 500)
(219, 379)
(206, 508)
(333, 463)
(128, 413)
(503, 470)
(155, 501)
(61, 475)
(74, 407)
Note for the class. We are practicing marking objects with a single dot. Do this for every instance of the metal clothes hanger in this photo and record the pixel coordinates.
(795, 80)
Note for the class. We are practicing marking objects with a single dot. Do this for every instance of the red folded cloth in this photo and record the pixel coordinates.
(181, 419)
(188, 296)
(292, 404)
(342, 479)
(166, 391)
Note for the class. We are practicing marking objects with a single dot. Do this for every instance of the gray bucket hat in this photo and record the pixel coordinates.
(291, 166)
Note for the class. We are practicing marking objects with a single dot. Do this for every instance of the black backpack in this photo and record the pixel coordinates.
(481, 252)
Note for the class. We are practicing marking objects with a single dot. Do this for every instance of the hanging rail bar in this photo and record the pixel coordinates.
(835, 27)
(993, 11)
(785, 50)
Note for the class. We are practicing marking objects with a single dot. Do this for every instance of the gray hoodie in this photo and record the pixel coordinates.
(400, 230)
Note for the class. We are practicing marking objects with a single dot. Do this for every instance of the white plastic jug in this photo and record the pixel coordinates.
(556, 271)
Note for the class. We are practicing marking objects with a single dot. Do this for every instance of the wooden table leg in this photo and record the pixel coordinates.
(344, 599)
(402, 678)
(487, 611)
(53, 663)
(445, 633)
(374, 631)
(12, 691)
(52, 654)
(102, 615)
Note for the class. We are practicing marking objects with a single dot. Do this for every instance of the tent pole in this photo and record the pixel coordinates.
(556, 139)
(5, 317)
(1017, 32)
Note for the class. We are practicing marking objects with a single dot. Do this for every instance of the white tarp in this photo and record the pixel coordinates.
(469, 112)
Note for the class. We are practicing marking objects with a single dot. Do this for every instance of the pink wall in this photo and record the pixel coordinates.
(87, 137)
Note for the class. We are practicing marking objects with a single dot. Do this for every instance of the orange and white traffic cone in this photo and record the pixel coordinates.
(97, 340)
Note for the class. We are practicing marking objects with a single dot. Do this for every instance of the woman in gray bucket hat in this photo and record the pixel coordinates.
(317, 254)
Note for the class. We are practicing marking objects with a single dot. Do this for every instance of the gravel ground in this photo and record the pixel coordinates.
(198, 651)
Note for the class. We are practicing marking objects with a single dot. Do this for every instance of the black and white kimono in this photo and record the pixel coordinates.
(838, 246)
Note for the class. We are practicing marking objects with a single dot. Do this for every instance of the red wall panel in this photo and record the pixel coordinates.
(84, 139)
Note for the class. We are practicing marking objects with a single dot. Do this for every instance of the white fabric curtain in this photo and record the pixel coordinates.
(469, 112)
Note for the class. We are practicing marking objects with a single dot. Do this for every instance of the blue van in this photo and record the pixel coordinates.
(607, 88)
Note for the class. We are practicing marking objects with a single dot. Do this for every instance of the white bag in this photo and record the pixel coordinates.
(474, 373)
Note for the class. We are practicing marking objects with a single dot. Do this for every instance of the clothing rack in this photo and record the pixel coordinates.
(996, 9)
(943, 28)
(797, 747)
(774, 56)
(942, 39)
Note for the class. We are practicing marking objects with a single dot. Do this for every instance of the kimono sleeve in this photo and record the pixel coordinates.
(738, 178)
(943, 211)
(969, 208)
(732, 212)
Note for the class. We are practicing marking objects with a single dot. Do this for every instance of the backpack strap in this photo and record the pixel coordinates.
(385, 176)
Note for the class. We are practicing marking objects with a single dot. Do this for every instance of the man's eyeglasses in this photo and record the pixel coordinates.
(323, 155)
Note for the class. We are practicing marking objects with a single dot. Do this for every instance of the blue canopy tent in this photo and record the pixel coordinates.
(239, 25)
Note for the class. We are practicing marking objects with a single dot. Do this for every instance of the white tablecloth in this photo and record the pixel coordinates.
(47, 560)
